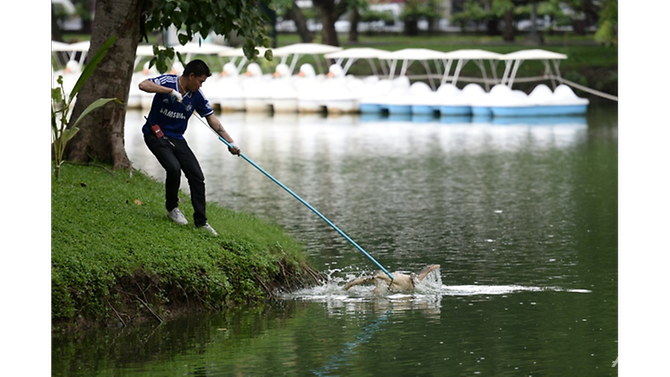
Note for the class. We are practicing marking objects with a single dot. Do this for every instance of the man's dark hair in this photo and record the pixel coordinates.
(198, 68)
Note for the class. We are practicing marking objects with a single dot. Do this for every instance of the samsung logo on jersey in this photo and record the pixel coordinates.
(172, 114)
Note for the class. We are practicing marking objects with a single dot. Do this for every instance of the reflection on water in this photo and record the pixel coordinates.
(521, 214)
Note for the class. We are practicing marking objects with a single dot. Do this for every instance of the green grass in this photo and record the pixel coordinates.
(116, 256)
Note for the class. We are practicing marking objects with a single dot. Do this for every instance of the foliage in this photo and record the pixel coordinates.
(202, 17)
(607, 32)
(62, 104)
(415, 10)
(560, 12)
(114, 250)
(473, 12)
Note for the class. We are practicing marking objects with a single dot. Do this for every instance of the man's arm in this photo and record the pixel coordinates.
(151, 87)
(216, 125)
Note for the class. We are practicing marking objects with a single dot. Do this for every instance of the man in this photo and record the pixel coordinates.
(175, 99)
(401, 282)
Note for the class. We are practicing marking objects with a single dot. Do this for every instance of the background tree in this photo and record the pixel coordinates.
(417, 10)
(331, 11)
(576, 13)
(608, 23)
(291, 11)
(101, 135)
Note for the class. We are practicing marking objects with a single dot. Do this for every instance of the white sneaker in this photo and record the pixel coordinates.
(176, 216)
(209, 228)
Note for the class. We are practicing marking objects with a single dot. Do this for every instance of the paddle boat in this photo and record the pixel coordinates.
(226, 90)
(358, 89)
(340, 92)
(502, 100)
(308, 89)
(71, 69)
(135, 95)
(399, 99)
(305, 91)
(291, 54)
(375, 98)
(540, 102)
(138, 99)
(449, 100)
(282, 92)
(452, 101)
(346, 58)
(254, 89)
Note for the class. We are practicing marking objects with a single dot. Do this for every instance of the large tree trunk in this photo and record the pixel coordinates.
(101, 135)
(329, 15)
(508, 33)
(353, 29)
(294, 13)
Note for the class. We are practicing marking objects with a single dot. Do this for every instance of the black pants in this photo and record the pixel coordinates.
(175, 156)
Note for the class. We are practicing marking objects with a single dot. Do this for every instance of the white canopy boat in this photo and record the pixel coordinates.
(76, 55)
(345, 91)
(503, 101)
(310, 97)
(346, 58)
(449, 99)
(291, 54)
(542, 101)
(398, 100)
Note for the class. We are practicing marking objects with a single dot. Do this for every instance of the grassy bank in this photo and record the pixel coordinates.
(117, 258)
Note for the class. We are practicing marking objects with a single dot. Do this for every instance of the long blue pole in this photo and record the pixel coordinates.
(308, 206)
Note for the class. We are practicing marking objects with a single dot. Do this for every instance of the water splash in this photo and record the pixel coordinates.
(427, 290)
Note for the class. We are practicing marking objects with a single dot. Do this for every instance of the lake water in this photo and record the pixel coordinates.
(521, 215)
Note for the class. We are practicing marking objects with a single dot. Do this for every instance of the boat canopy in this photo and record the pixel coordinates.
(346, 58)
(193, 48)
(295, 51)
(238, 53)
(477, 56)
(71, 49)
(410, 55)
(305, 49)
(514, 59)
(144, 50)
(57, 46)
(209, 50)
(80, 46)
(534, 54)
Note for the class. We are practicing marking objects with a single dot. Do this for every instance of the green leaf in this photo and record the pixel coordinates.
(68, 134)
(56, 95)
(54, 125)
(96, 104)
(88, 70)
(181, 59)
(183, 38)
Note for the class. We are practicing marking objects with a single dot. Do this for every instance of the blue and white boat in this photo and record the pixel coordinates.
(541, 102)
(503, 101)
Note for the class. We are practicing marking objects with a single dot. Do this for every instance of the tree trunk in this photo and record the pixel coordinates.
(411, 27)
(56, 34)
(353, 29)
(294, 13)
(101, 135)
(508, 33)
(328, 18)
